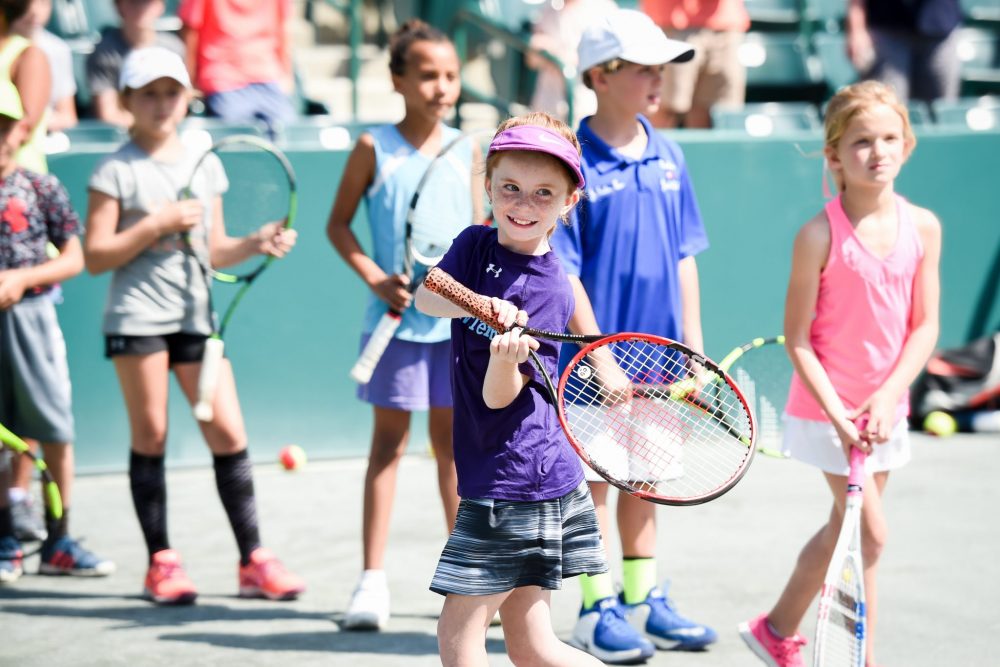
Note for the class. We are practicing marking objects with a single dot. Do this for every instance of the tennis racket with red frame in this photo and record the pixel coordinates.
(841, 626)
(651, 416)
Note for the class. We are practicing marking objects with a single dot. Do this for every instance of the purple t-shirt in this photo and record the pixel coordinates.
(518, 452)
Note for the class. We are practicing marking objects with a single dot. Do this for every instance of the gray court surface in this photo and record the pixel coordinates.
(939, 586)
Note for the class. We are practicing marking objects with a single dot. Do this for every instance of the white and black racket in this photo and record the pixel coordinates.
(261, 189)
(841, 619)
(650, 415)
(449, 197)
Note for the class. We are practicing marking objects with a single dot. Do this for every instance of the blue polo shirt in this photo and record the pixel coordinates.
(639, 218)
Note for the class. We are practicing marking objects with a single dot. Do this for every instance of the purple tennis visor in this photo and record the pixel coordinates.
(541, 140)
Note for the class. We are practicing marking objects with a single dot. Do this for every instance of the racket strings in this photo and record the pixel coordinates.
(767, 411)
(674, 429)
(842, 638)
(764, 374)
(445, 202)
(259, 191)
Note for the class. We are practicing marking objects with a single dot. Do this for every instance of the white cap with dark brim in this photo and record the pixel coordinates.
(145, 65)
(632, 36)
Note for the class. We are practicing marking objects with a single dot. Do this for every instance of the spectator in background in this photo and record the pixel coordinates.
(558, 30)
(62, 101)
(240, 58)
(910, 45)
(715, 28)
(138, 29)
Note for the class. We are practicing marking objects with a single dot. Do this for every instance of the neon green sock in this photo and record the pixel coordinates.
(595, 587)
(639, 575)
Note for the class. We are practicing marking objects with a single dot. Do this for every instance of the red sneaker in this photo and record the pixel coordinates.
(166, 582)
(265, 577)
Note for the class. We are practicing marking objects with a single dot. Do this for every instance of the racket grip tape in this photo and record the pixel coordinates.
(208, 380)
(377, 343)
(444, 285)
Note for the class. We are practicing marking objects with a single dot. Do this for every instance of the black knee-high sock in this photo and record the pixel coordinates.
(234, 479)
(149, 495)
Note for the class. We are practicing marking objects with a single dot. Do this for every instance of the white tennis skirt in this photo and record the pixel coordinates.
(817, 443)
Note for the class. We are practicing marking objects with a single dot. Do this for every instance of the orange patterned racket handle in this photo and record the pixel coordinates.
(444, 285)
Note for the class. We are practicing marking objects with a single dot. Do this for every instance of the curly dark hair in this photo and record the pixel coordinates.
(410, 32)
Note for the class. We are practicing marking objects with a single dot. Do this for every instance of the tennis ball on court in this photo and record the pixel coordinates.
(940, 424)
(292, 457)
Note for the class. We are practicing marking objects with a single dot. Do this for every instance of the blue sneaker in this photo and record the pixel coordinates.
(603, 632)
(65, 556)
(11, 560)
(658, 619)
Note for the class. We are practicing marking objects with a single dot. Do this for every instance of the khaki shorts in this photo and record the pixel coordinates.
(714, 76)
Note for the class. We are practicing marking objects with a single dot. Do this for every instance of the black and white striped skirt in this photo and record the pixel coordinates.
(500, 545)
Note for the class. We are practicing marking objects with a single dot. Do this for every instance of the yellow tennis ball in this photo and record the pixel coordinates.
(940, 424)
(292, 457)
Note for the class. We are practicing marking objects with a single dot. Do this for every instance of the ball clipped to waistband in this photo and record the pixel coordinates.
(292, 457)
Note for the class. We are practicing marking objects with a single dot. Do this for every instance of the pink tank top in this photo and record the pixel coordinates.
(862, 314)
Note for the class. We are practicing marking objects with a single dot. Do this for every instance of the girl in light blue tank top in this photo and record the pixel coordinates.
(398, 168)
(414, 372)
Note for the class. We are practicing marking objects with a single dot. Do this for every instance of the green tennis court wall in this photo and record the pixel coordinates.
(296, 335)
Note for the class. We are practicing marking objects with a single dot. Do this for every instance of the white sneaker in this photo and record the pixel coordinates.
(369, 607)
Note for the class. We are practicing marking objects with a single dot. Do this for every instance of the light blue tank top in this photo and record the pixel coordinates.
(398, 168)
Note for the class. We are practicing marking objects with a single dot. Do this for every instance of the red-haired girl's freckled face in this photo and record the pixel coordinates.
(529, 191)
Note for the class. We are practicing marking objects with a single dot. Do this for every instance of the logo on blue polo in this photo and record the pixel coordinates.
(495, 270)
(601, 191)
(670, 181)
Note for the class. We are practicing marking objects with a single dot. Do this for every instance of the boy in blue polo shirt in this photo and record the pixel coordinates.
(630, 256)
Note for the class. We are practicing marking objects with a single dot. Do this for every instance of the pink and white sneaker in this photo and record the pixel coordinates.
(265, 577)
(771, 648)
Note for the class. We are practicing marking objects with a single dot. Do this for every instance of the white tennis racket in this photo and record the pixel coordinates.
(840, 621)
(449, 197)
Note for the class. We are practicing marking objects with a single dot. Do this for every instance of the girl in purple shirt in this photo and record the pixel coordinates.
(526, 520)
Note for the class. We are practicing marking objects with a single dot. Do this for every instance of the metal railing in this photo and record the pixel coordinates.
(470, 19)
(351, 10)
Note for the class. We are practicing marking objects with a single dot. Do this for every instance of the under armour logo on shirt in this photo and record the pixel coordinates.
(495, 270)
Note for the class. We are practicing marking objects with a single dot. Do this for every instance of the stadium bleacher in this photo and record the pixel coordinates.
(794, 54)
(767, 118)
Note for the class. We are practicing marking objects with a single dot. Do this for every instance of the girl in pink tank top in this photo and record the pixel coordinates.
(861, 320)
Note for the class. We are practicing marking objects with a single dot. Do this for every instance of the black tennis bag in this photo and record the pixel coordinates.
(959, 379)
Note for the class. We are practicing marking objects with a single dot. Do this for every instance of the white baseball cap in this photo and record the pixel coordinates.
(145, 65)
(632, 36)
